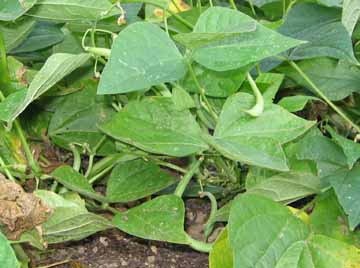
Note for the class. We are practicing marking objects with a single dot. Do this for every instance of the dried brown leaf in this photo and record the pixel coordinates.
(20, 211)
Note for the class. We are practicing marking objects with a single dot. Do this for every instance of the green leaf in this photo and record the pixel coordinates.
(214, 25)
(136, 179)
(43, 35)
(328, 218)
(182, 99)
(15, 33)
(328, 156)
(287, 187)
(239, 50)
(70, 10)
(160, 219)
(346, 184)
(70, 219)
(221, 254)
(154, 125)
(281, 240)
(296, 103)
(76, 118)
(142, 56)
(10, 10)
(7, 255)
(336, 80)
(55, 68)
(351, 149)
(238, 135)
(258, 223)
(350, 14)
(76, 182)
(322, 28)
(215, 84)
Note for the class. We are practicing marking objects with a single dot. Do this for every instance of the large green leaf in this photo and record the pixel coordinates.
(70, 10)
(136, 179)
(44, 35)
(346, 184)
(156, 126)
(56, 68)
(70, 219)
(15, 33)
(322, 28)
(76, 182)
(336, 80)
(76, 118)
(256, 140)
(159, 219)
(233, 51)
(263, 233)
(350, 14)
(7, 255)
(12, 9)
(142, 56)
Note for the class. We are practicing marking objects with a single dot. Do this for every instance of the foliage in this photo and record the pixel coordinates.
(251, 103)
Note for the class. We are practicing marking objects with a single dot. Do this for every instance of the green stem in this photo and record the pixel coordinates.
(77, 157)
(29, 155)
(208, 106)
(233, 5)
(180, 189)
(110, 161)
(199, 245)
(209, 226)
(100, 175)
(252, 8)
(182, 20)
(258, 108)
(6, 170)
(93, 154)
(170, 165)
(323, 96)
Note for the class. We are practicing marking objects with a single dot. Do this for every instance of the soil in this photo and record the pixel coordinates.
(115, 249)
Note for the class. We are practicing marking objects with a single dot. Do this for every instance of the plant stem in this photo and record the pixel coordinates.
(199, 245)
(77, 157)
(182, 20)
(170, 165)
(6, 170)
(233, 5)
(180, 189)
(210, 222)
(92, 156)
(252, 7)
(258, 108)
(101, 174)
(208, 106)
(323, 96)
